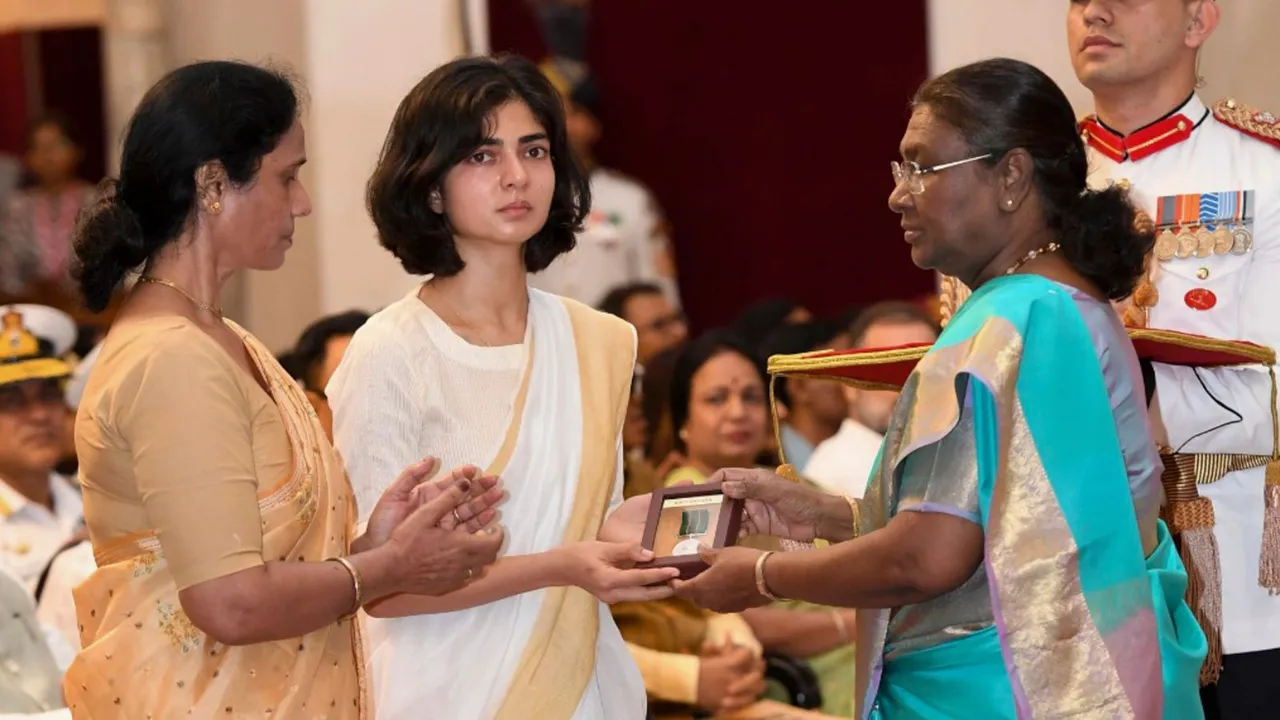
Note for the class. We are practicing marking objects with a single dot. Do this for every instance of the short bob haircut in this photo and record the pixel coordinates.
(440, 123)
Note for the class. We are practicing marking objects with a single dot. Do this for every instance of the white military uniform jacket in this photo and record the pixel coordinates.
(1214, 167)
(623, 240)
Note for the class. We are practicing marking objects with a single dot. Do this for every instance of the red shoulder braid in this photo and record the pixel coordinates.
(1249, 120)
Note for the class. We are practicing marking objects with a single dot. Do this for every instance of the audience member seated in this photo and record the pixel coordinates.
(39, 509)
(36, 227)
(813, 407)
(319, 350)
(655, 400)
(659, 324)
(719, 408)
(758, 321)
(842, 463)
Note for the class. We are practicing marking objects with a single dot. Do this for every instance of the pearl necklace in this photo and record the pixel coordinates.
(1051, 247)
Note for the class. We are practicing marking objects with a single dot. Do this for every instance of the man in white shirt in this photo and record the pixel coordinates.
(842, 463)
(1210, 178)
(810, 409)
(39, 510)
(625, 239)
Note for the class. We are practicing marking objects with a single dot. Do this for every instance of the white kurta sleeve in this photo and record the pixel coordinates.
(374, 405)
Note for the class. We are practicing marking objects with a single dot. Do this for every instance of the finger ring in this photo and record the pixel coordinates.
(456, 519)
(470, 574)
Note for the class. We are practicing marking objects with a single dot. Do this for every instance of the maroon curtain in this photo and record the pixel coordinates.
(71, 72)
(766, 131)
(69, 69)
(13, 94)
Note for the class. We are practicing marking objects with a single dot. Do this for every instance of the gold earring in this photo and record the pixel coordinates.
(215, 207)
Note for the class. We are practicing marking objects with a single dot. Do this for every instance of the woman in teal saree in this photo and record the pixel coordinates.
(1008, 560)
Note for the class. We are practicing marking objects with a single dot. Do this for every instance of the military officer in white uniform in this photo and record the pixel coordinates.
(1209, 176)
(624, 240)
(39, 509)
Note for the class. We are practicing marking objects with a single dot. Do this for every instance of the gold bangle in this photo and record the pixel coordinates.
(857, 515)
(841, 627)
(761, 586)
(356, 582)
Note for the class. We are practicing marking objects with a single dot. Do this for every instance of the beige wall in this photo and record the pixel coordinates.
(1236, 61)
(363, 57)
(965, 31)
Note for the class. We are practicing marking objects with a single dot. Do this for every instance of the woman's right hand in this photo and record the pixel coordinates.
(607, 570)
(427, 559)
(781, 508)
(730, 678)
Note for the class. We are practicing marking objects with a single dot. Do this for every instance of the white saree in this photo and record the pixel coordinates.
(553, 653)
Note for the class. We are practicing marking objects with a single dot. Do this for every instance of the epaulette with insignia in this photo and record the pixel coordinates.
(1251, 121)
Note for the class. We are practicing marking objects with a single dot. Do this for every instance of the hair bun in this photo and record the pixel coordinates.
(108, 244)
(1106, 239)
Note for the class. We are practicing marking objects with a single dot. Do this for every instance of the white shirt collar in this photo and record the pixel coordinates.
(68, 506)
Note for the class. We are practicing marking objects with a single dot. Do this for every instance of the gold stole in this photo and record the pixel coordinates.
(560, 657)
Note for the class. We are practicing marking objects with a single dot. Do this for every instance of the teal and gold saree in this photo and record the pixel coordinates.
(1078, 607)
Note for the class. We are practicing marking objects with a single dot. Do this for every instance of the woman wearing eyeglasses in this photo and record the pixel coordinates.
(1008, 559)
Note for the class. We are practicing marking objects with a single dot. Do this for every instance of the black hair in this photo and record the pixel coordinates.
(655, 400)
(309, 352)
(890, 311)
(289, 361)
(761, 318)
(57, 119)
(615, 301)
(691, 359)
(1000, 105)
(439, 124)
(793, 339)
(227, 112)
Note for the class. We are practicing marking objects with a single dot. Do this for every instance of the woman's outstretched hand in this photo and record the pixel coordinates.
(728, 585)
(781, 508)
(608, 571)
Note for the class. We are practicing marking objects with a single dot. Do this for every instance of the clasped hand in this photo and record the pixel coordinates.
(442, 531)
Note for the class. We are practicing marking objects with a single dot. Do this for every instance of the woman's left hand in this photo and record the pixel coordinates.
(729, 583)
(412, 490)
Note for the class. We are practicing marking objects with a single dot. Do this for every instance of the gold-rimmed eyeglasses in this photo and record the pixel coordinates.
(909, 174)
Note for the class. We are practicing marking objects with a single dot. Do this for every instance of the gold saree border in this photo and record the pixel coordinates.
(1028, 531)
(560, 657)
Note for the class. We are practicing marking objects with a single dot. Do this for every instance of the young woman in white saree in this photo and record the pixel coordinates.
(476, 188)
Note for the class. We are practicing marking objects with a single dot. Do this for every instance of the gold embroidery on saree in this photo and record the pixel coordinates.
(176, 626)
(1064, 666)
